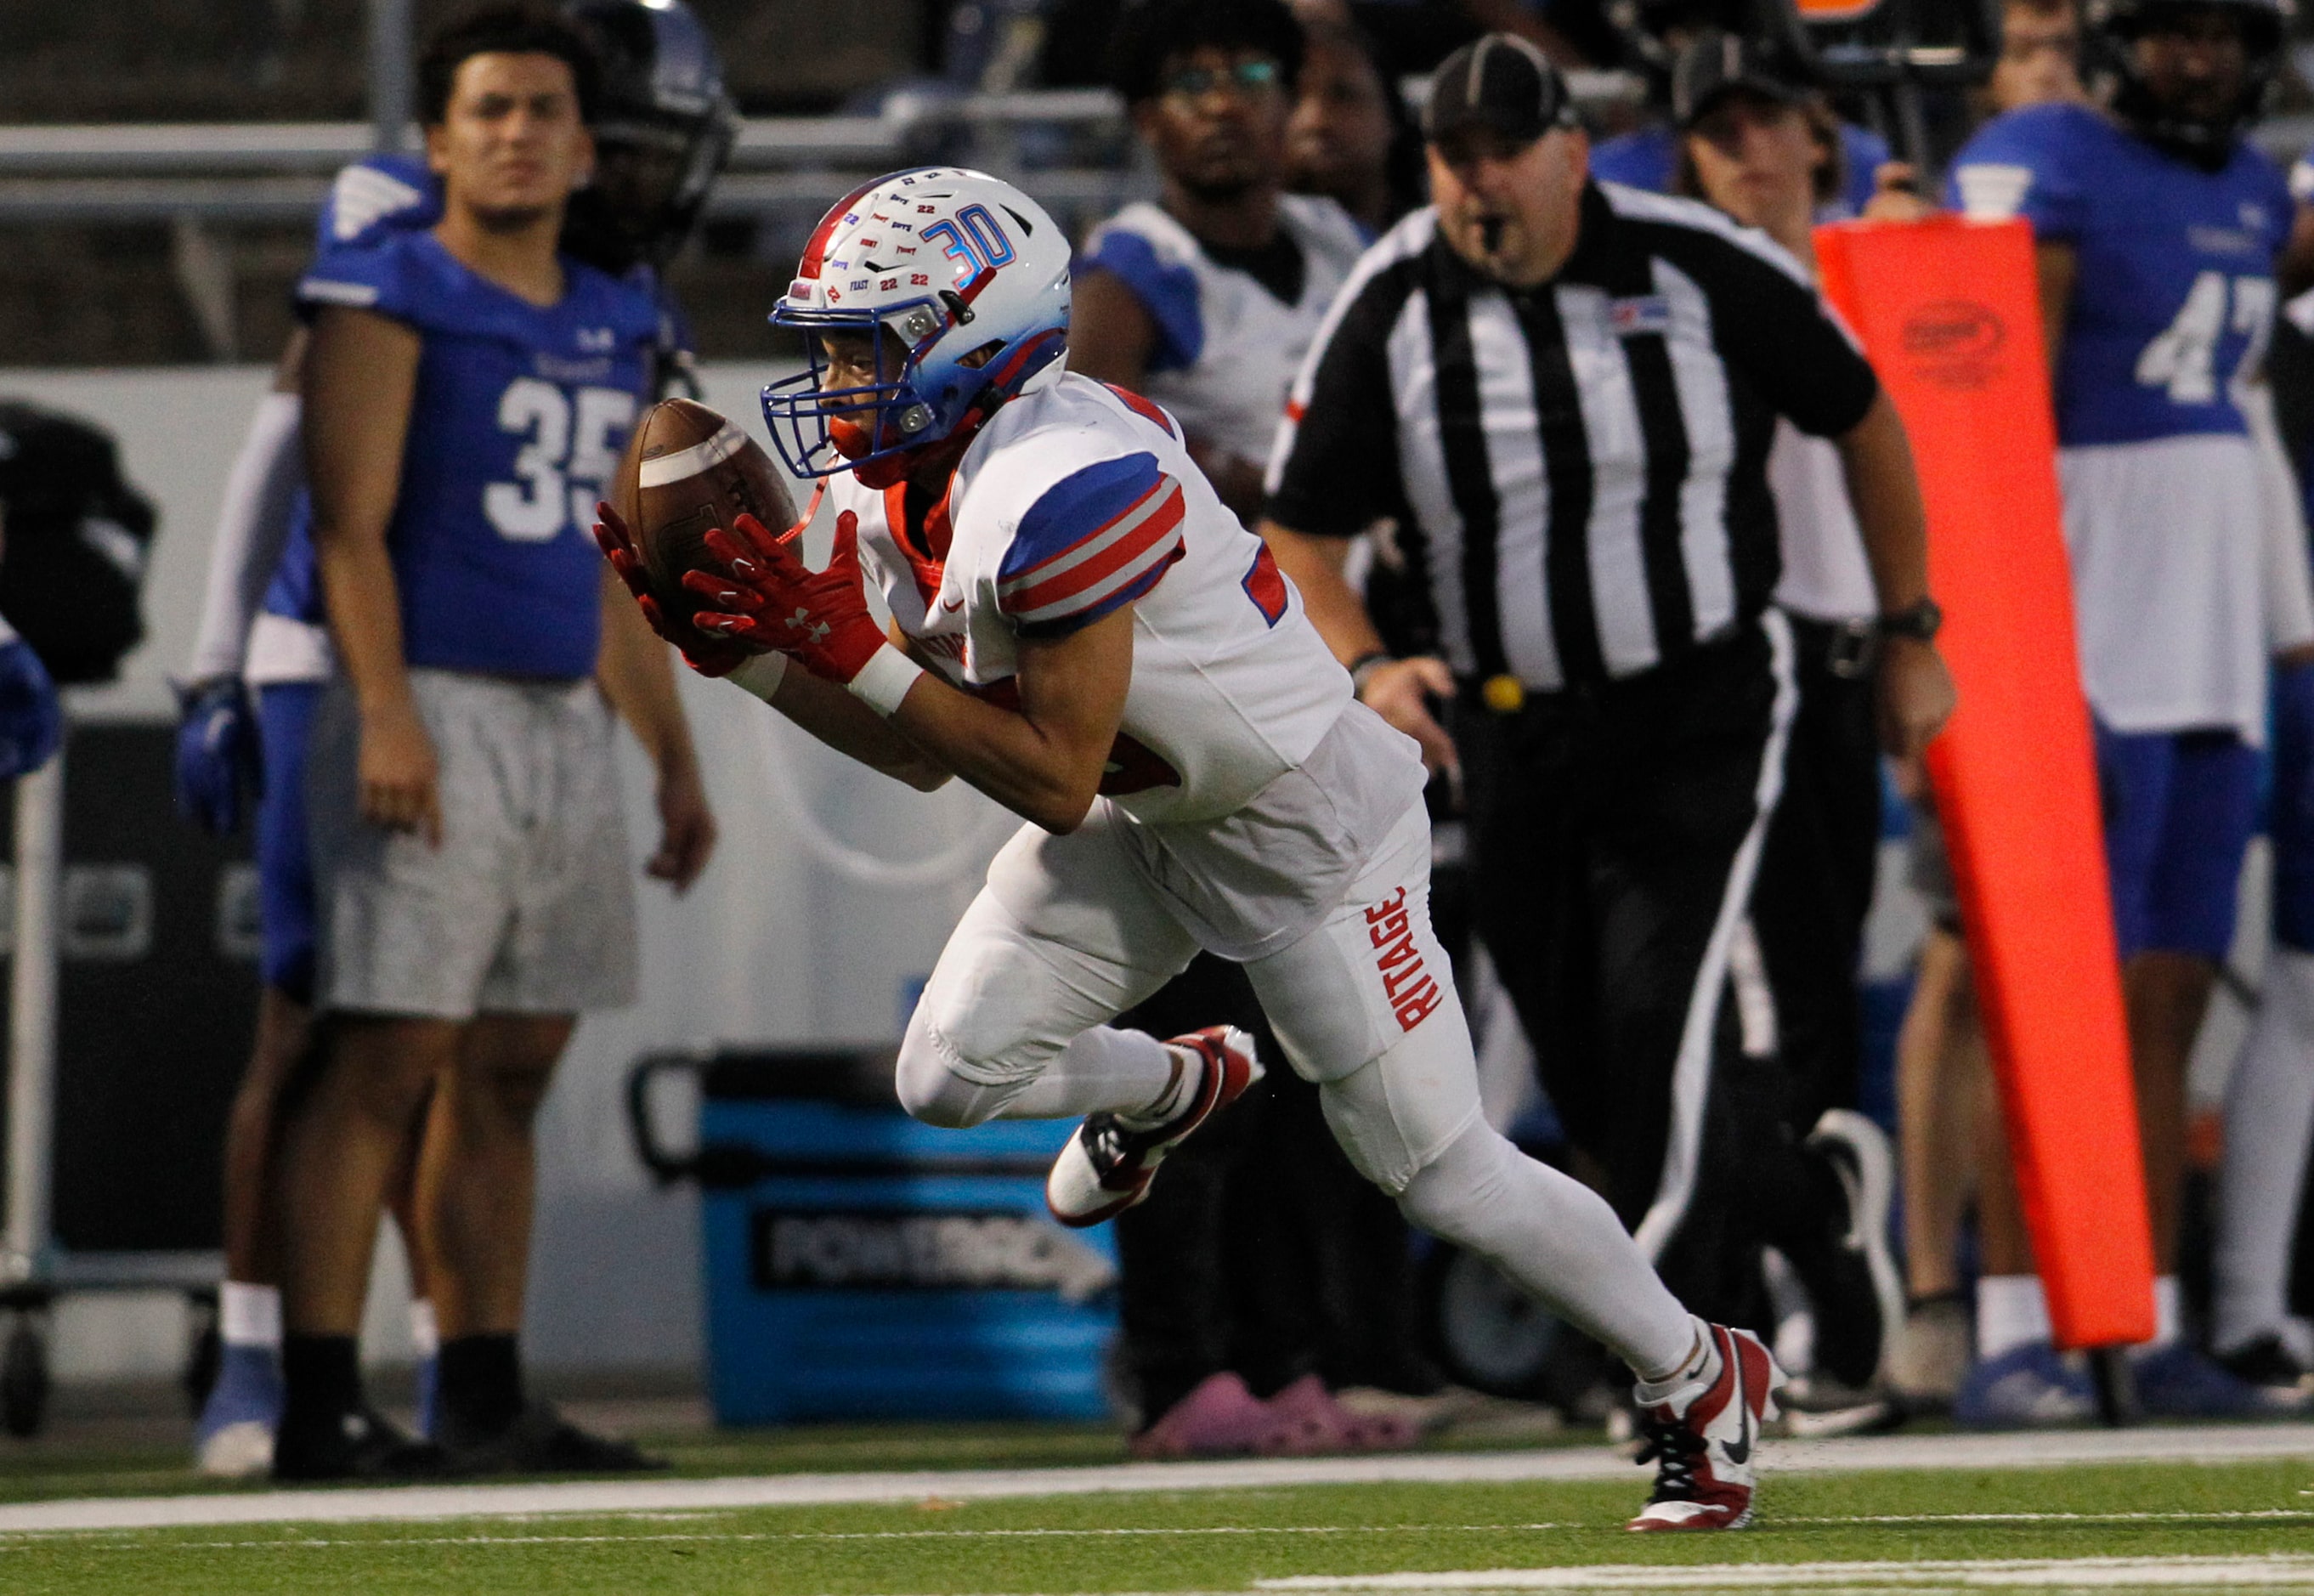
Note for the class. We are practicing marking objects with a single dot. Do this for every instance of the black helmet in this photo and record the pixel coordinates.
(2116, 25)
(662, 125)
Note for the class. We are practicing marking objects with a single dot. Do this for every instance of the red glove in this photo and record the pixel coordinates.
(770, 599)
(708, 655)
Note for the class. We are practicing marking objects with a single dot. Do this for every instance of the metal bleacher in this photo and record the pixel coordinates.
(277, 171)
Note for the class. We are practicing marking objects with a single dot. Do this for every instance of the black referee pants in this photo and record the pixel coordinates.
(1817, 873)
(1616, 833)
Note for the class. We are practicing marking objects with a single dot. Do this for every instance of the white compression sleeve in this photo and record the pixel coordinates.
(1557, 1239)
(252, 527)
(2269, 1122)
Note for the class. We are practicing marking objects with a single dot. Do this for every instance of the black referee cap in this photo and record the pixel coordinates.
(1716, 63)
(1500, 83)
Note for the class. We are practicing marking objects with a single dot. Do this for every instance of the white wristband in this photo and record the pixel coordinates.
(759, 673)
(885, 680)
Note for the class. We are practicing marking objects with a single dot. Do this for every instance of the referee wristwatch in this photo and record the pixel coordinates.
(1920, 621)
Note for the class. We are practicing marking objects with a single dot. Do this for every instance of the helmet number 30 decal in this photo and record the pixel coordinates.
(973, 241)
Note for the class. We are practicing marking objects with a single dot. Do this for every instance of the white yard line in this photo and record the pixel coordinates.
(2278, 1572)
(131, 1540)
(419, 1503)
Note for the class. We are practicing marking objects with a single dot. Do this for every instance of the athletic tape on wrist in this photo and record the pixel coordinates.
(885, 680)
(760, 675)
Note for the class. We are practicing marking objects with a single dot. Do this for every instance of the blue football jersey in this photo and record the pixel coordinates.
(520, 415)
(2175, 296)
(374, 197)
(1644, 159)
(382, 194)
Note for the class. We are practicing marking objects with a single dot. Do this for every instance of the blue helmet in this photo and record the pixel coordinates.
(662, 125)
(961, 283)
(2116, 25)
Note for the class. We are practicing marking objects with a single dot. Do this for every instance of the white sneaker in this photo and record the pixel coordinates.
(242, 1451)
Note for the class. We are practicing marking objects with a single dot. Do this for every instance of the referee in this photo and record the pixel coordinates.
(1566, 394)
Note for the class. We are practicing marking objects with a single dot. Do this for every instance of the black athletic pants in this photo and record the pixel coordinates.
(1816, 874)
(1615, 831)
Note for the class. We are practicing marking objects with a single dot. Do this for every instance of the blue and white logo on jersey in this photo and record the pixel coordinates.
(2174, 297)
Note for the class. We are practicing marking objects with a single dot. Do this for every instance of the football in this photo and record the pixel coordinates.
(690, 469)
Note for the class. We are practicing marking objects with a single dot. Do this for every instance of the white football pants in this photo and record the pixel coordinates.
(1067, 934)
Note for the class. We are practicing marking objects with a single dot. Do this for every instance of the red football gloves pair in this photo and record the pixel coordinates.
(764, 598)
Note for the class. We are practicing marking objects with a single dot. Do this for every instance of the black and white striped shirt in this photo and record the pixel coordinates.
(1579, 469)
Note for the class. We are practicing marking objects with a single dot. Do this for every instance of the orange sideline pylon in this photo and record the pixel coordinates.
(1949, 312)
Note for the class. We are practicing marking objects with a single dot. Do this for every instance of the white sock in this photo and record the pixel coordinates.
(1103, 1068)
(1555, 1238)
(249, 1315)
(2010, 1313)
(1180, 1091)
(2269, 1125)
(2168, 1316)
(1700, 1364)
(425, 1336)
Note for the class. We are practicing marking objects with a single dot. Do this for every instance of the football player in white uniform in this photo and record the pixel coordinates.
(1084, 633)
(1207, 299)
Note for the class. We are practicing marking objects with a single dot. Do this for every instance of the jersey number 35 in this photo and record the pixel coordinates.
(570, 451)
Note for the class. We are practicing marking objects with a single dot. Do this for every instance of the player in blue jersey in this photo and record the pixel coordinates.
(466, 386)
(2269, 1104)
(2159, 229)
(256, 675)
(662, 128)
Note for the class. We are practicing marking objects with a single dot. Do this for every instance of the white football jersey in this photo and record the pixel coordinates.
(1826, 574)
(1228, 349)
(1069, 504)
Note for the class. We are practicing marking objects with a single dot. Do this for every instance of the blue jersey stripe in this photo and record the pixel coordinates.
(1079, 506)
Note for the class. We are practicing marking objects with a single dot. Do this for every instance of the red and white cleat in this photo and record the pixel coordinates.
(1106, 1166)
(1702, 1438)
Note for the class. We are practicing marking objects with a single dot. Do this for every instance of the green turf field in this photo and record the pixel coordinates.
(2127, 1521)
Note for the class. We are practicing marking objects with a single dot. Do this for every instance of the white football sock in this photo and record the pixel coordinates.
(1702, 1364)
(1179, 1092)
(2010, 1313)
(1103, 1068)
(1558, 1240)
(2269, 1122)
(425, 1334)
(249, 1315)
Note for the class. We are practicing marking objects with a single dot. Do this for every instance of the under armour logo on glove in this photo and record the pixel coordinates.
(710, 656)
(767, 596)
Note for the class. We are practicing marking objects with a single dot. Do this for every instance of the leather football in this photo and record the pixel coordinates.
(690, 469)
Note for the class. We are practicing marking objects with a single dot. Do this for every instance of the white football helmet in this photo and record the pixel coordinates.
(968, 277)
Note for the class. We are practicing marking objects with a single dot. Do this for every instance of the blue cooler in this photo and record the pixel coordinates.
(860, 1265)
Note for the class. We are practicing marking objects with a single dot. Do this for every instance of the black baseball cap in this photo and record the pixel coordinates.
(1501, 83)
(1716, 63)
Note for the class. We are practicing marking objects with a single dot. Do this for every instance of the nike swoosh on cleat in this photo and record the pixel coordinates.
(1739, 1452)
